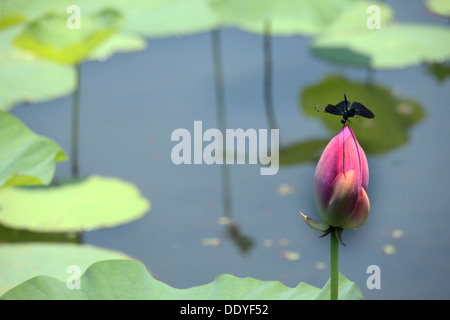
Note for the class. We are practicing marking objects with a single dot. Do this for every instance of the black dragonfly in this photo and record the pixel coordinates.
(346, 110)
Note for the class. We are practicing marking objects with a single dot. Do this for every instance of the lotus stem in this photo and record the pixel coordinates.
(334, 266)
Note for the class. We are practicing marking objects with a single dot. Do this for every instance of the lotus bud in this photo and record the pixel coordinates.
(340, 183)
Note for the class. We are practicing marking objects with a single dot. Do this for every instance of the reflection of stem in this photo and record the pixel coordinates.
(75, 121)
(370, 76)
(334, 266)
(267, 45)
(221, 116)
(218, 76)
(243, 242)
(226, 190)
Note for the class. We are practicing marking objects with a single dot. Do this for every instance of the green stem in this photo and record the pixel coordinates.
(75, 122)
(334, 266)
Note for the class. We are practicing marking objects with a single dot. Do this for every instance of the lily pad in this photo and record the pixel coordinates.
(439, 7)
(25, 157)
(393, 120)
(349, 40)
(26, 78)
(20, 262)
(117, 43)
(50, 37)
(286, 17)
(96, 202)
(158, 18)
(17, 11)
(347, 290)
(162, 18)
(128, 279)
(440, 71)
(9, 235)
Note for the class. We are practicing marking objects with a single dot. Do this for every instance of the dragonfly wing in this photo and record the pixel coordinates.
(328, 108)
(338, 109)
(361, 110)
(321, 107)
(341, 107)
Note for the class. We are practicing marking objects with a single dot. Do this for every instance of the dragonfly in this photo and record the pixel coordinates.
(346, 110)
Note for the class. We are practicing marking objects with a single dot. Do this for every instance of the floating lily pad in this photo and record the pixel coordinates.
(26, 78)
(440, 71)
(347, 290)
(128, 279)
(119, 42)
(286, 17)
(20, 262)
(161, 18)
(25, 157)
(393, 120)
(439, 7)
(10, 235)
(349, 40)
(6, 22)
(392, 47)
(50, 37)
(96, 202)
(362, 16)
(17, 11)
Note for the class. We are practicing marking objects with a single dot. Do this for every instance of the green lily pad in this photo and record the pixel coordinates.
(439, 7)
(96, 202)
(393, 47)
(347, 290)
(6, 22)
(286, 17)
(51, 38)
(26, 78)
(440, 71)
(9, 235)
(162, 18)
(158, 18)
(356, 18)
(17, 11)
(350, 41)
(119, 42)
(20, 262)
(128, 279)
(25, 158)
(393, 120)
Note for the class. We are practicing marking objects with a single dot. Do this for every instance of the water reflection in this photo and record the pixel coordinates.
(268, 96)
(244, 243)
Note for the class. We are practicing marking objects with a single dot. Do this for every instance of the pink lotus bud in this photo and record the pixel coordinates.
(340, 182)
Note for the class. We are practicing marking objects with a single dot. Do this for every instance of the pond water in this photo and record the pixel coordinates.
(131, 104)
